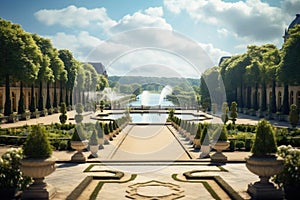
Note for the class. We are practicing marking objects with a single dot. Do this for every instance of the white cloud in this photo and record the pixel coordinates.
(73, 16)
(80, 44)
(214, 53)
(151, 17)
(291, 7)
(251, 19)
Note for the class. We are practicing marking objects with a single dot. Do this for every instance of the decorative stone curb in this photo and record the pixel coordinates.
(155, 190)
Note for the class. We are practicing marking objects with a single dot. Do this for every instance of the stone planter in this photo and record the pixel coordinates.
(219, 147)
(192, 139)
(79, 146)
(13, 118)
(35, 114)
(25, 116)
(204, 151)
(94, 150)
(196, 143)
(100, 143)
(264, 168)
(38, 169)
(44, 113)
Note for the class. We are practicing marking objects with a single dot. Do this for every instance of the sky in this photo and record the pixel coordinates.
(164, 38)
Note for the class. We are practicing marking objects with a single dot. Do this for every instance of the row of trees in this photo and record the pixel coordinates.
(32, 60)
(260, 67)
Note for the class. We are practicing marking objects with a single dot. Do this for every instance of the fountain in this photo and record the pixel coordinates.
(144, 98)
(167, 90)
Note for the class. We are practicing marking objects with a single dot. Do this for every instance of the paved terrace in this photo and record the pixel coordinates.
(151, 161)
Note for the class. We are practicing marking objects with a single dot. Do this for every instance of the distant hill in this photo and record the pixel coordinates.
(158, 80)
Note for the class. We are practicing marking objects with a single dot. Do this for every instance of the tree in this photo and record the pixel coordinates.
(45, 73)
(71, 67)
(19, 57)
(289, 72)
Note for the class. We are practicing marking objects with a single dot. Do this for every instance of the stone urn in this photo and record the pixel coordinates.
(196, 143)
(100, 142)
(219, 146)
(94, 150)
(204, 151)
(264, 167)
(79, 146)
(38, 169)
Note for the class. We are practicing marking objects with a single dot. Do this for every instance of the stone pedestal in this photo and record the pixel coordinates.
(219, 157)
(204, 151)
(264, 168)
(78, 146)
(38, 169)
(39, 190)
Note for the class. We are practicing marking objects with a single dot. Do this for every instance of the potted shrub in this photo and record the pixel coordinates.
(224, 115)
(38, 163)
(264, 163)
(25, 115)
(101, 105)
(13, 117)
(79, 111)
(293, 116)
(233, 114)
(197, 137)
(204, 142)
(63, 110)
(289, 178)
(79, 143)
(99, 129)
(11, 177)
(93, 145)
(220, 141)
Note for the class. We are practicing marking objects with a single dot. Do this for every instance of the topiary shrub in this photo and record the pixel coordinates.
(37, 144)
(79, 108)
(78, 118)
(171, 114)
(79, 133)
(293, 116)
(264, 143)
(233, 114)
(93, 139)
(99, 128)
(220, 134)
(199, 130)
(63, 110)
(225, 109)
(204, 139)
(240, 144)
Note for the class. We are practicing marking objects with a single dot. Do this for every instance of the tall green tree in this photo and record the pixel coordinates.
(71, 66)
(19, 57)
(45, 73)
(289, 71)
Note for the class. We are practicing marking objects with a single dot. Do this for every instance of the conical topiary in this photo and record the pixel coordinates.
(93, 139)
(199, 130)
(264, 143)
(220, 134)
(78, 134)
(99, 128)
(204, 139)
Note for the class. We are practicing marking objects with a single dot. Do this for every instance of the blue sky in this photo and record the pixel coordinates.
(174, 37)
